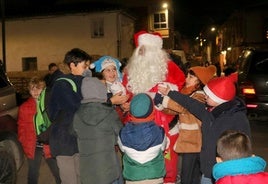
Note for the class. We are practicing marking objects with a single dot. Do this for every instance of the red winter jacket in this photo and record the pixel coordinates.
(258, 178)
(26, 129)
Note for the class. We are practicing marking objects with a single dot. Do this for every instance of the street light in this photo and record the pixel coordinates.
(212, 29)
(165, 5)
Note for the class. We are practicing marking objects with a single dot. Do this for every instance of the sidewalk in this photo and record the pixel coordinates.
(45, 175)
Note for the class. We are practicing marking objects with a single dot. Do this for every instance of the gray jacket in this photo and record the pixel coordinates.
(97, 126)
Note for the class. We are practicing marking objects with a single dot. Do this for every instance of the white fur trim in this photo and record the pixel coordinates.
(174, 130)
(189, 126)
(165, 101)
(107, 63)
(151, 94)
(159, 107)
(173, 87)
(150, 39)
(92, 65)
(212, 96)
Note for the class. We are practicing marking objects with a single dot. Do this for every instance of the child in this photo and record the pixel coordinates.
(189, 140)
(143, 143)
(97, 126)
(33, 149)
(236, 164)
(224, 111)
(108, 69)
(62, 105)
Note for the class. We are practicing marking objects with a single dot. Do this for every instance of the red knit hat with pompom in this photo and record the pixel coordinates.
(221, 89)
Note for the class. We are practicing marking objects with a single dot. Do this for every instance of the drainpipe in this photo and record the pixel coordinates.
(3, 34)
(118, 26)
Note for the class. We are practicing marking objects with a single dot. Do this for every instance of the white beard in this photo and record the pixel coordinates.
(146, 70)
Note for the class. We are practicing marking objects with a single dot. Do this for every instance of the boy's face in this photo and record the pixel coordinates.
(53, 69)
(35, 91)
(110, 73)
(211, 102)
(79, 68)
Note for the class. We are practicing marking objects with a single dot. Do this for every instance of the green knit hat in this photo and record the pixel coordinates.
(141, 105)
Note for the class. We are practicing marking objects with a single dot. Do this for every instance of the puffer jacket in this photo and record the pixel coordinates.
(143, 144)
(227, 116)
(247, 170)
(26, 129)
(97, 126)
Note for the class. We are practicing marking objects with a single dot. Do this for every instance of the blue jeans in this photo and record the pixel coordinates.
(34, 167)
(205, 180)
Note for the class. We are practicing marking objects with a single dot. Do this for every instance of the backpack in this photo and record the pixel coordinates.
(41, 118)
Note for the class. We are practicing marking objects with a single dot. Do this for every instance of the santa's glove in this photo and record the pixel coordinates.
(158, 100)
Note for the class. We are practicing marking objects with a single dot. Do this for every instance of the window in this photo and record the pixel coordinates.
(97, 28)
(29, 64)
(160, 21)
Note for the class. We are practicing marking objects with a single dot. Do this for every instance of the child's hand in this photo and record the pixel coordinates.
(119, 99)
(125, 106)
(199, 96)
(164, 90)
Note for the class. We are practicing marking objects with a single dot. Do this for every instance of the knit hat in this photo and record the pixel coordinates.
(141, 106)
(104, 62)
(221, 89)
(93, 90)
(144, 38)
(204, 74)
(87, 73)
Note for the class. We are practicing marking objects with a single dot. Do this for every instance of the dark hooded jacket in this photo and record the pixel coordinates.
(62, 105)
(97, 126)
(227, 116)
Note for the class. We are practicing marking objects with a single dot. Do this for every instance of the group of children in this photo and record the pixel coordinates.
(206, 107)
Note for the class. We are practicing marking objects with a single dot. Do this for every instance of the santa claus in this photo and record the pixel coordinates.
(148, 67)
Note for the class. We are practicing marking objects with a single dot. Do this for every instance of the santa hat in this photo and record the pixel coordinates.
(204, 74)
(144, 38)
(141, 108)
(221, 89)
(104, 62)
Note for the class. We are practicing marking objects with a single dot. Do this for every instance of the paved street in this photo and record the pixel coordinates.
(260, 146)
(260, 137)
(45, 175)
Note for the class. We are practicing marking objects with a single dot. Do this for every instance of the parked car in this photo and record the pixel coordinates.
(253, 81)
(11, 153)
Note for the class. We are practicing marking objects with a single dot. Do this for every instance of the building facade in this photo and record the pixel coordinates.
(33, 42)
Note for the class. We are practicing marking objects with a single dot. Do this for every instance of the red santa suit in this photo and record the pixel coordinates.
(148, 67)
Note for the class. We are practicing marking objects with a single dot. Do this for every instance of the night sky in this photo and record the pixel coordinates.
(192, 16)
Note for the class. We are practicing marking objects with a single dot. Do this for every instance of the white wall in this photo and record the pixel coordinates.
(49, 38)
